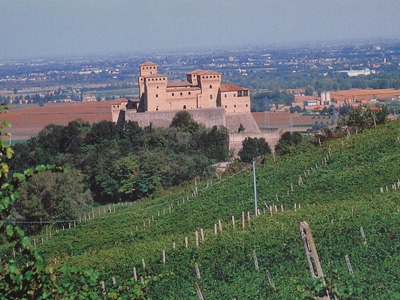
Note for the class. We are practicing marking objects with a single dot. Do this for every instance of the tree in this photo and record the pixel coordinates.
(297, 109)
(288, 142)
(362, 117)
(252, 148)
(73, 136)
(102, 131)
(309, 90)
(183, 120)
(52, 196)
(241, 128)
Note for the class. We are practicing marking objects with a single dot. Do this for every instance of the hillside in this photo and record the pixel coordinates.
(341, 189)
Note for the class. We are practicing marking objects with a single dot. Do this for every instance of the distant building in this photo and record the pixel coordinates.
(89, 98)
(354, 73)
(310, 103)
(325, 98)
(202, 89)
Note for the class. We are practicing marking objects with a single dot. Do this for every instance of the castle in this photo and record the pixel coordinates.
(208, 100)
(202, 89)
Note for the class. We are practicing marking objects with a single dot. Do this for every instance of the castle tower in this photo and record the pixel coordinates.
(152, 87)
(145, 69)
(210, 83)
(155, 92)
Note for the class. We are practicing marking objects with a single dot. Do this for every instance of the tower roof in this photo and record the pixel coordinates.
(204, 72)
(231, 88)
(148, 63)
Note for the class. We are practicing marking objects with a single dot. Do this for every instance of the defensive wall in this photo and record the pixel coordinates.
(235, 139)
(209, 117)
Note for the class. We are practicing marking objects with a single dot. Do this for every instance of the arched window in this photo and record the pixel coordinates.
(184, 107)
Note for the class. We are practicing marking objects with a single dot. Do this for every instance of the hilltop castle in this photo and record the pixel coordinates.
(208, 100)
(202, 89)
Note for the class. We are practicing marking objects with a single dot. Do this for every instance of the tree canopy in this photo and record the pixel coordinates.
(124, 163)
(252, 148)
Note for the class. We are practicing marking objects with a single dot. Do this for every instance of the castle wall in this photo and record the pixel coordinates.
(235, 139)
(233, 121)
(209, 117)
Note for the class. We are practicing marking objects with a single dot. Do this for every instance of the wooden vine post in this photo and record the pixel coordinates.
(312, 255)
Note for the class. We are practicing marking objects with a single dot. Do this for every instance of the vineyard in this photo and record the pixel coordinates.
(208, 242)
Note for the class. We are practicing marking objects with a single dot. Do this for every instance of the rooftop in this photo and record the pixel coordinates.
(231, 88)
(179, 83)
(156, 75)
(148, 63)
(204, 72)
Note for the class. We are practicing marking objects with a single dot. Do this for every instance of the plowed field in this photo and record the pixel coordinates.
(365, 95)
(28, 119)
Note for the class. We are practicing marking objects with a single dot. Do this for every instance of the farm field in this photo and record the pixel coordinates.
(366, 94)
(28, 119)
(209, 237)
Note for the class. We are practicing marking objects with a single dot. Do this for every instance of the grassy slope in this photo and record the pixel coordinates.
(346, 196)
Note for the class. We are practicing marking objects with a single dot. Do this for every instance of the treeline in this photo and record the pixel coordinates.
(262, 101)
(316, 81)
(125, 163)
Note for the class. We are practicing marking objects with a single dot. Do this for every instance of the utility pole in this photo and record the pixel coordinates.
(255, 188)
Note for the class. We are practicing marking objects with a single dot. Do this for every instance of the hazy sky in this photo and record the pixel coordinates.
(39, 28)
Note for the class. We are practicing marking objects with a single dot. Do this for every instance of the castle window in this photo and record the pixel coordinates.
(173, 94)
(156, 95)
(210, 86)
(234, 95)
(210, 96)
(234, 106)
(226, 106)
(247, 105)
(157, 107)
(239, 93)
(188, 93)
(245, 93)
(184, 107)
(157, 86)
(225, 95)
(181, 93)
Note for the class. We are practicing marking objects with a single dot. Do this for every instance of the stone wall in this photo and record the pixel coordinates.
(207, 116)
(235, 139)
(233, 121)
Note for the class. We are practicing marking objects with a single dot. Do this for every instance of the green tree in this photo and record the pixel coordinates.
(362, 117)
(288, 142)
(309, 90)
(184, 120)
(252, 148)
(51, 196)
